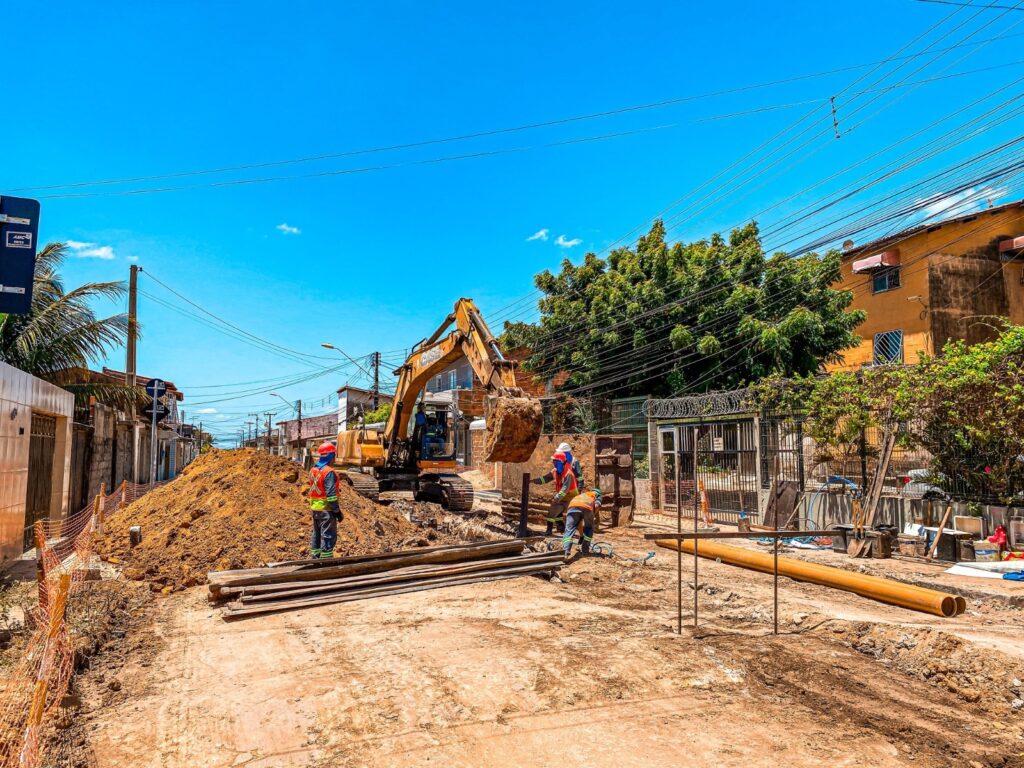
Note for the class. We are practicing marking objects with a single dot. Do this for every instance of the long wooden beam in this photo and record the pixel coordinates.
(342, 585)
(231, 611)
(395, 575)
(272, 575)
(326, 562)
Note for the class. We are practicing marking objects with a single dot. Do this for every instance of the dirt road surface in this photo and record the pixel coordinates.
(585, 672)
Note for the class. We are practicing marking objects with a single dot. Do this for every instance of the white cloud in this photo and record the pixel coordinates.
(90, 250)
(540, 234)
(963, 202)
(207, 410)
(563, 243)
(286, 229)
(132, 258)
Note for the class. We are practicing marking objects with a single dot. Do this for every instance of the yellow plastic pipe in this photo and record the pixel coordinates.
(875, 587)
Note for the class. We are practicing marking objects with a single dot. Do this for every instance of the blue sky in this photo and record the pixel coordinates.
(374, 259)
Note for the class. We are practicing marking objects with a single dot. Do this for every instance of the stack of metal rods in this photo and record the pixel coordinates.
(307, 583)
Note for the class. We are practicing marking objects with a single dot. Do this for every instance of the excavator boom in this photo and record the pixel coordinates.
(514, 419)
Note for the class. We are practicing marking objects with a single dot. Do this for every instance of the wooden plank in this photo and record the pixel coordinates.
(874, 494)
(322, 562)
(396, 575)
(273, 575)
(285, 566)
(230, 612)
(374, 582)
(942, 525)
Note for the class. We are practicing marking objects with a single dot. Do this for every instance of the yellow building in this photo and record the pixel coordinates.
(934, 282)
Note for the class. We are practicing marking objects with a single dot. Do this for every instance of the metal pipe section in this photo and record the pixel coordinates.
(875, 587)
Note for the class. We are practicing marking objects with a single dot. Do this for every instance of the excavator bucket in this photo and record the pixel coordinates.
(513, 428)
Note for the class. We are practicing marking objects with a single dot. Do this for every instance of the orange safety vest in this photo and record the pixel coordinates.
(559, 478)
(584, 502)
(319, 501)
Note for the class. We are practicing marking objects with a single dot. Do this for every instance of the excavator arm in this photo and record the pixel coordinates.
(514, 419)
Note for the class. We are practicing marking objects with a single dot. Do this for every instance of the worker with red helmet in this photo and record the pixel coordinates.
(563, 473)
(323, 503)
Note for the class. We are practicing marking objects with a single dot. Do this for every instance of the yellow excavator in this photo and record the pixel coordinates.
(423, 459)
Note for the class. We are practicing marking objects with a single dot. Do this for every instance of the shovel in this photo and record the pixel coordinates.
(860, 545)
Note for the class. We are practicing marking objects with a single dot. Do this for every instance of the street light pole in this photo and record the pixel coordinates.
(340, 351)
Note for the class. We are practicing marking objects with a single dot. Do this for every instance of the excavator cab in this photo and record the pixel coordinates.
(437, 439)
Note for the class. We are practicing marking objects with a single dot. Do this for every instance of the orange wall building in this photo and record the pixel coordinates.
(935, 282)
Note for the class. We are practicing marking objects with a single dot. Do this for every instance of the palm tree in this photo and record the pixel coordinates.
(61, 333)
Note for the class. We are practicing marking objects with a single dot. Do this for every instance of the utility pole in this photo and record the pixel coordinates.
(256, 439)
(200, 439)
(130, 362)
(133, 323)
(298, 410)
(376, 380)
(270, 423)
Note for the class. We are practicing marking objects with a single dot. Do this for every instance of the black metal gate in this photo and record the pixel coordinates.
(727, 468)
(721, 457)
(42, 442)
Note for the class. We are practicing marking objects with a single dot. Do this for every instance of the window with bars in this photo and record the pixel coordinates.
(453, 379)
(885, 280)
(888, 348)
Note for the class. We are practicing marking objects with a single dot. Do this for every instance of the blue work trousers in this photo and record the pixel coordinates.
(325, 534)
(573, 519)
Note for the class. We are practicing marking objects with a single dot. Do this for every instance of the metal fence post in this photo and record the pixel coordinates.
(524, 508)
(696, 501)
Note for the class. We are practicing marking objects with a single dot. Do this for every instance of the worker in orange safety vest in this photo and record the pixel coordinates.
(566, 485)
(323, 503)
(581, 512)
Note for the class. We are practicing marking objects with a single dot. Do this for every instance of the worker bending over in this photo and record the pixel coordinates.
(323, 503)
(581, 510)
(566, 485)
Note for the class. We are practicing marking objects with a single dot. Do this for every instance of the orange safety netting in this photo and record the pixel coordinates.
(33, 688)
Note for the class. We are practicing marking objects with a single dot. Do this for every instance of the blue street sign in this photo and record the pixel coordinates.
(156, 388)
(19, 231)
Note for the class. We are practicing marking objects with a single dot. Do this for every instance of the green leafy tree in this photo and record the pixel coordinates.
(62, 334)
(379, 415)
(661, 318)
(964, 406)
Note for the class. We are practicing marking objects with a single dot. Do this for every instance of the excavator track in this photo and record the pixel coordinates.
(363, 484)
(458, 493)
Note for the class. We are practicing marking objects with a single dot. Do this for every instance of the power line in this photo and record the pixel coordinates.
(365, 169)
(615, 111)
(763, 145)
(972, 5)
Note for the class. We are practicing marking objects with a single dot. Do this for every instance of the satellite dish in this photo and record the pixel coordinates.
(847, 245)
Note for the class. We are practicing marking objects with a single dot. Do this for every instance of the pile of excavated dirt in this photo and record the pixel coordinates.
(240, 509)
(980, 676)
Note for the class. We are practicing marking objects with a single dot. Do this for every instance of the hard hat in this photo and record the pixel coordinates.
(326, 449)
(564, 448)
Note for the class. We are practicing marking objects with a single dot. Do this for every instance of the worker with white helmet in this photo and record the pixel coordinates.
(564, 475)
